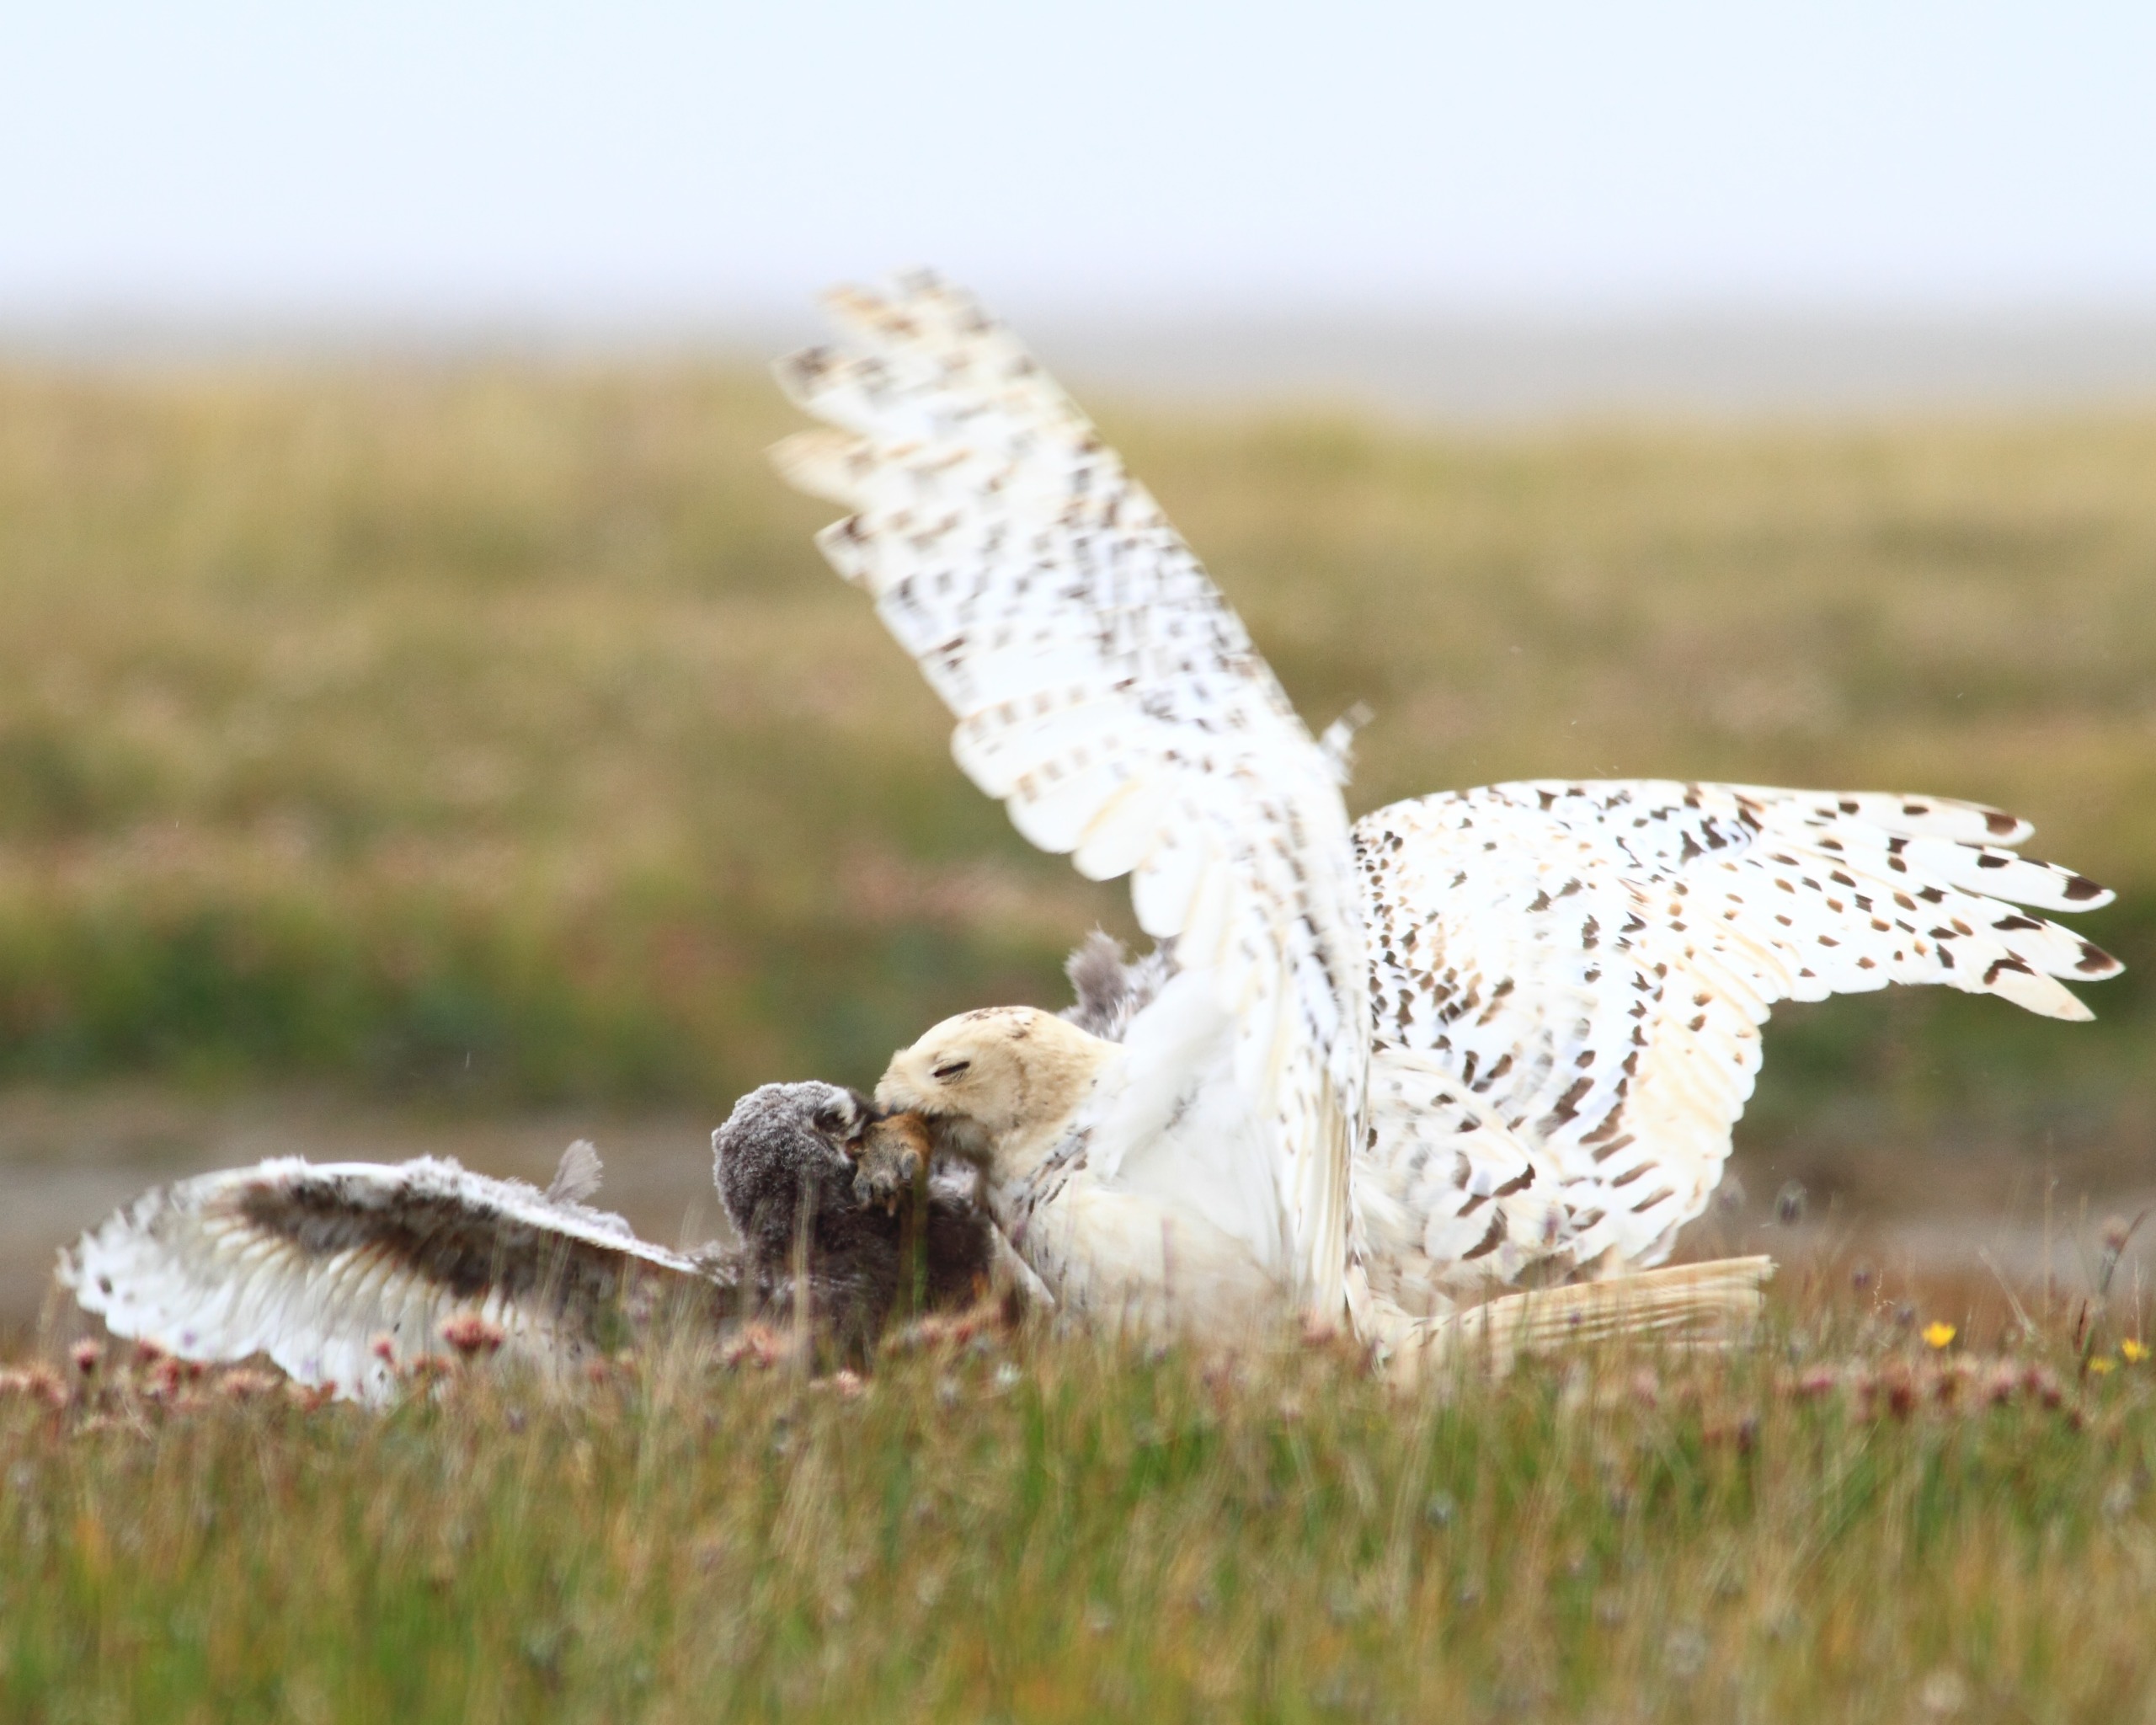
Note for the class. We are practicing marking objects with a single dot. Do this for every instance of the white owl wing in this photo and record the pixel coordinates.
(1449, 1199)
(1592, 961)
(320, 1265)
(1105, 693)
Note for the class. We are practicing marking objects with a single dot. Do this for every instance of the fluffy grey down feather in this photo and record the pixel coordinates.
(1112, 989)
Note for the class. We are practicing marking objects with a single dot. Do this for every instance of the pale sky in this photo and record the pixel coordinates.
(639, 160)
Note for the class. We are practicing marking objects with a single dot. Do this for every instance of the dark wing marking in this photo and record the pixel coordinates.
(1593, 960)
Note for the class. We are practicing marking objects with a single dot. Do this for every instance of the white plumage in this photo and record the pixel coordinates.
(1491, 1034)
(1106, 694)
(345, 1272)
(1592, 962)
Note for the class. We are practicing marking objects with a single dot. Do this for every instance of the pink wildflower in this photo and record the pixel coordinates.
(471, 1334)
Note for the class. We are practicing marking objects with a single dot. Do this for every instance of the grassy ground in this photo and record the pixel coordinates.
(1841, 1523)
(494, 734)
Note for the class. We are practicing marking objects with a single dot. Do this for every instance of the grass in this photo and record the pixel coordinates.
(1839, 1523)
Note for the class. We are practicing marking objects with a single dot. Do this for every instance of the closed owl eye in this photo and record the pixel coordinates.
(952, 1069)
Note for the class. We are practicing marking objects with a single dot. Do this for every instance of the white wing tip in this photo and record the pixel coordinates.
(818, 462)
(2054, 1002)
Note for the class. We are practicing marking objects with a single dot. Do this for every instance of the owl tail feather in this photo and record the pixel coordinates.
(1688, 1305)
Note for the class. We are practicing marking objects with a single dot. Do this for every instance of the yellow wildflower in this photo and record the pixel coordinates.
(2134, 1352)
(1939, 1334)
(2102, 1363)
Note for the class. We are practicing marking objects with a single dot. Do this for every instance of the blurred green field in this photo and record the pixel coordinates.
(492, 735)
(1837, 1525)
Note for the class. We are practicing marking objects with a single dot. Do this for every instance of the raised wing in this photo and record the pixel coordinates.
(315, 1265)
(1105, 693)
(1592, 961)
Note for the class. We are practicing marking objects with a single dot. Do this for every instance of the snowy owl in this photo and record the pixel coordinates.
(1486, 1036)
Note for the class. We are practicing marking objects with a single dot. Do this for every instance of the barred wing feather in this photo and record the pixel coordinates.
(314, 1263)
(1449, 1200)
(1105, 692)
(1592, 962)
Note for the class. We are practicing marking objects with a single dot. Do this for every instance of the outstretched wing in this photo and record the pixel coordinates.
(313, 1264)
(1105, 693)
(1592, 961)
(1449, 1199)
